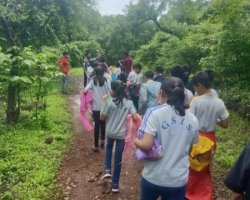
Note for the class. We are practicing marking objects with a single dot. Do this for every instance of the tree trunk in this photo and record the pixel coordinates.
(13, 100)
(12, 113)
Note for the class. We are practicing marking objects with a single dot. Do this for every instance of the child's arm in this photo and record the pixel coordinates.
(222, 123)
(146, 143)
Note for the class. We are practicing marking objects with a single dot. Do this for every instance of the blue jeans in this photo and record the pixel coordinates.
(150, 191)
(119, 146)
(65, 80)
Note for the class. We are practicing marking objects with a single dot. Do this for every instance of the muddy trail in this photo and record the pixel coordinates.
(79, 177)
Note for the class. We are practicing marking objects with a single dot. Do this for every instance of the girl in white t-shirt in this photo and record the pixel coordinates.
(100, 87)
(177, 130)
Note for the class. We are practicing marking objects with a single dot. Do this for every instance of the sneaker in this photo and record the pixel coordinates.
(95, 149)
(107, 175)
(115, 188)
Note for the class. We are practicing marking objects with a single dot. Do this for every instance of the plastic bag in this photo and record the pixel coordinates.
(156, 153)
(200, 156)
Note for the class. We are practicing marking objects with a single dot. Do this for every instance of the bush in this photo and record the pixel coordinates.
(238, 100)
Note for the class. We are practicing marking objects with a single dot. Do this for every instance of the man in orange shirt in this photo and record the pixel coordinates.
(64, 68)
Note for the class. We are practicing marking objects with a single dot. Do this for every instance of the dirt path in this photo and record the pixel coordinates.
(81, 169)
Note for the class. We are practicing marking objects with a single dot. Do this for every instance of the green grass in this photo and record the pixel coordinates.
(28, 166)
(232, 140)
(76, 71)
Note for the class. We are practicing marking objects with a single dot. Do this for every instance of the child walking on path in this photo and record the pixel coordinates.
(209, 111)
(100, 87)
(177, 130)
(115, 111)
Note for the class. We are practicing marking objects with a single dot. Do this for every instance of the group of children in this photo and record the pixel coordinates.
(176, 110)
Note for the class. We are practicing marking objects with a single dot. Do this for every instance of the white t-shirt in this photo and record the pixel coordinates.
(208, 109)
(98, 93)
(117, 72)
(177, 133)
(133, 77)
(107, 76)
(188, 96)
(89, 72)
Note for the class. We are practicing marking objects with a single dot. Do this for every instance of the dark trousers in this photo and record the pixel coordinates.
(150, 191)
(119, 147)
(99, 125)
(135, 101)
(84, 79)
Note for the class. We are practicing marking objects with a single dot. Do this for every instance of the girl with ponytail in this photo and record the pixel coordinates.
(177, 130)
(115, 112)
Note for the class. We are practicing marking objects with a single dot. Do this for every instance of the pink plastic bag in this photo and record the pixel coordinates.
(86, 100)
(132, 127)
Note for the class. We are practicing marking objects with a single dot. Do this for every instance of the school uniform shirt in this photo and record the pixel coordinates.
(133, 77)
(89, 72)
(188, 96)
(148, 93)
(117, 117)
(98, 93)
(177, 133)
(208, 109)
(107, 76)
(117, 72)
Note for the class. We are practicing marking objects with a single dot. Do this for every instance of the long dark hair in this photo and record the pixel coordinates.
(99, 72)
(174, 89)
(119, 92)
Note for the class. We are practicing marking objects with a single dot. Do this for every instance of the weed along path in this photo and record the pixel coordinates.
(81, 168)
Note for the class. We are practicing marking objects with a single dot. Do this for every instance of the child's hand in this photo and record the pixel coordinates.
(237, 196)
(83, 91)
(105, 97)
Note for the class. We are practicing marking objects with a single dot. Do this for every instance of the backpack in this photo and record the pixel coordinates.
(134, 90)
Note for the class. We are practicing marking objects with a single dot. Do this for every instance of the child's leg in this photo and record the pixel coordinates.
(119, 147)
(102, 130)
(108, 154)
(96, 117)
(149, 191)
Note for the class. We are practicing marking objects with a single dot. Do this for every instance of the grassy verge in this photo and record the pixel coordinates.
(232, 140)
(28, 165)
